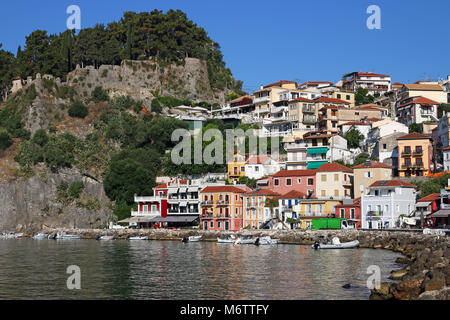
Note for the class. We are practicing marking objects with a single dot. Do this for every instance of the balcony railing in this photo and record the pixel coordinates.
(406, 154)
(374, 213)
(308, 110)
(223, 203)
(145, 213)
(261, 99)
(207, 203)
(418, 153)
(309, 120)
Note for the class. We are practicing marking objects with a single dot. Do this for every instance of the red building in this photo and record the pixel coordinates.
(282, 182)
(351, 212)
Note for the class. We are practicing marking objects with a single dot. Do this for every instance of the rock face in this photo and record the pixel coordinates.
(140, 79)
(29, 205)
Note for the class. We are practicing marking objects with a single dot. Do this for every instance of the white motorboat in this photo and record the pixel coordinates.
(63, 236)
(336, 244)
(245, 241)
(40, 236)
(266, 241)
(231, 239)
(137, 238)
(106, 238)
(195, 238)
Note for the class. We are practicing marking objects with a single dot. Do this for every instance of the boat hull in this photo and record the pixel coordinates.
(345, 245)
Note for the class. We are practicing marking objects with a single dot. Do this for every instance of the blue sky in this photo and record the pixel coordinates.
(267, 41)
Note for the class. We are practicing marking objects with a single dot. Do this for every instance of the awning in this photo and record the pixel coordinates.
(316, 165)
(183, 190)
(136, 220)
(192, 189)
(441, 214)
(422, 204)
(173, 191)
(183, 204)
(175, 219)
(317, 150)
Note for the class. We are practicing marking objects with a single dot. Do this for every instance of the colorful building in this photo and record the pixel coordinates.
(350, 210)
(367, 173)
(255, 212)
(236, 168)
(222, 207)
(311, 209)
(284, 181)
(415, 155)
(334, 181)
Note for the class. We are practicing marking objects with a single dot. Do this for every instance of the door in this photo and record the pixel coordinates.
(205, 225)
(227, 225)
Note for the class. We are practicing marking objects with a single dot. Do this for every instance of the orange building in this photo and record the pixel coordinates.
(255, 212)
(222, 207)
(415, 154)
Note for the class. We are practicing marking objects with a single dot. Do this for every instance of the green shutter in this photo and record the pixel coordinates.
(317, 150)
(316, 165)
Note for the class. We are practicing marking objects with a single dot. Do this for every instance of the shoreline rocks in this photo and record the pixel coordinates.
(425, 275)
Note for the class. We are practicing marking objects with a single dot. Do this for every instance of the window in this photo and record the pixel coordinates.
(323, 193)
(256, 168)
(219, 224)
(342, 213)
(336, 193)
(368, 174)
(324, 178)
(288, 182)
(211, 224)
(352, 213)
(242, 169)
(384, 146)
(347, 97)
(145, 208)
(276, 182)
(338, 96)
(310, 181)
(336, 177)
(154, 208)
(299, 181)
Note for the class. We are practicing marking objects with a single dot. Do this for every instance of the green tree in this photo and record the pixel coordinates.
(354, 138)
(248, 181)
(5, 140)
(78, 110)
(40, 137)
(272, 204)
(362, 96)
(99, 95)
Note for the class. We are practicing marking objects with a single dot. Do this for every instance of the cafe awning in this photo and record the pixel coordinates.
(175, 219)
(317, 150)
(173, 191)
(315, 165)
(183, 190)
(441, 214)
(192, 189)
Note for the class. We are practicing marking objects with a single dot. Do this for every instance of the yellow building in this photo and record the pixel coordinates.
(334, 181)
(236, 168)
(345, 96)
(267, 95)
(366, 174)
(415, 153)
(311, 209)
(429, 90)
(255, 212)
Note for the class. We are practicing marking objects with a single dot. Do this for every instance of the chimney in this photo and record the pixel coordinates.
(261, 87)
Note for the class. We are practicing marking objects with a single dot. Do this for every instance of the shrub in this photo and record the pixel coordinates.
(99, 95)
(40, 138)
(75, 189)
(78, 110)
(5, 140)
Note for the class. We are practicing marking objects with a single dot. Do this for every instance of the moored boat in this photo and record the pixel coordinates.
(63, 236)
(336, 244)
(106, 238)
(40, 236)
(231, 239)
(245, 241)
(266, 241)
(137, 238)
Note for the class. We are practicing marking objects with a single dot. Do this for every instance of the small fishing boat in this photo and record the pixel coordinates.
(336, 244)
(231, 239)
(40, 236)
(106, 238)
(52, 236)
(266, 241)
(137, 238)
(63, 236)
(245, 241)
(191, 239)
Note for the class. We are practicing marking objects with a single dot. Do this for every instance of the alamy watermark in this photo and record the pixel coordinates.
(374, 280)
(74, 20)
(374, 20)
(74, 280)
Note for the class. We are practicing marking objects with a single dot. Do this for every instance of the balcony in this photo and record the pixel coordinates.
(279, 109)
(147, 214)
(374, 213)
(261, 99)
(309, 120)
(308, 110)
(418, 153)
(406, 154)
(223, 203)
(207, 203)
(407, 166)
(149, 199)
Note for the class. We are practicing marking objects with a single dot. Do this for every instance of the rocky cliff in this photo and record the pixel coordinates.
(33, 204)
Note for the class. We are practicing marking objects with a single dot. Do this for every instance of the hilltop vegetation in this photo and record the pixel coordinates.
(168, 37)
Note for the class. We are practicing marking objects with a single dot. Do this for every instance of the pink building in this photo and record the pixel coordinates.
(284, 181)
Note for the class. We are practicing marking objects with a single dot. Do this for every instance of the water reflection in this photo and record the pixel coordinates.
(32, 269)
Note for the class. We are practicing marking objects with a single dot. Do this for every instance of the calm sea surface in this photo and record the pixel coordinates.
(36, 269)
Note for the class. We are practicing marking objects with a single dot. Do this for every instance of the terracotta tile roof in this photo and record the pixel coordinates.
(424, 87)
(430, 197)
(301, 100)
(332, 107)
(334, 167)
(372, 165)
(279, 83)
(371, 74)
(224, 189)
(420, 100)
(414, 135)
(316, 83)
(330, 100)
(392, 183)
(294, 194)
(262, 192)
(162, 186)
(446, 149)
(355, 123)
(294, 173)
(257, 160)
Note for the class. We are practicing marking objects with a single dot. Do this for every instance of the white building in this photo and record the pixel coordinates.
(363, 128)
(373, 82)
(257, 167)
(446, 158)
(386, 202)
